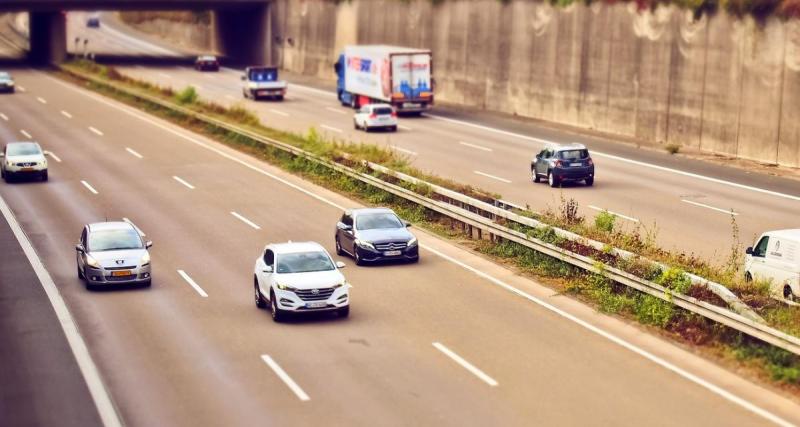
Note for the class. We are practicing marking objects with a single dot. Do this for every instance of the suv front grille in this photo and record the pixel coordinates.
(392, 246)
(309, 295)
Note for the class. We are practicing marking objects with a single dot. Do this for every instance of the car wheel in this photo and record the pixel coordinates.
(366, 128)
(788, 294)
(344, 312)
(748, 277)
(147, 284)
(80, 273)
(535, 176)
(357, 257)
(339, 250)
(279, 97)
(551, 179)
(393, 129)
(590, 181)
(277, 314)
(44, 176)
(414, 260)
(355, 125)
(260, 303)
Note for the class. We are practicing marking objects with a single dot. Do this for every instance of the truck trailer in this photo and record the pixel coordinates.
(400, 76)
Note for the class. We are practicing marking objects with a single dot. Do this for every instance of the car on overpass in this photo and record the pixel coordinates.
(375, 116)
(20, 159)
(113, 253)
(7, 84)
(375, 234)
(299, 277)
(206, 63)
(559, 163)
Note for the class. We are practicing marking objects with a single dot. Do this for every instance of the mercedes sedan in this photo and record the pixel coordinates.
(113, 253)
(375, 234)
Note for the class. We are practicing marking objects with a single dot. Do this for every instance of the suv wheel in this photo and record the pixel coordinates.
(535, 176)
(44, 176)
(551, 179)
(590, 181)
(260, 303)
(80, 274)
(344, 312)
(339, 250)
(788, 294)
(277, 314)
(356, 256)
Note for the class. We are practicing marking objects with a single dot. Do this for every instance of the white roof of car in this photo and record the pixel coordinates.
(379, 106)
(293, 247)
(110, 225)
(792, 233)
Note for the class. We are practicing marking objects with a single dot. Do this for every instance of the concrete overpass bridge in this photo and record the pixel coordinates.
(242, 26)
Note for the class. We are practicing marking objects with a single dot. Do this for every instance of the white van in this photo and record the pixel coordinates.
(776, 258)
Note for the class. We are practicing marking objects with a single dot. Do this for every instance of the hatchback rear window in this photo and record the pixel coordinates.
(574, 154)
(382, 111)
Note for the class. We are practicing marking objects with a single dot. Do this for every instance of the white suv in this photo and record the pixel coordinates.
(375, 116)
(299, 278)
(23, 159)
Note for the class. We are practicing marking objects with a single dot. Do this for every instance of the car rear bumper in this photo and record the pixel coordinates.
(573, 174)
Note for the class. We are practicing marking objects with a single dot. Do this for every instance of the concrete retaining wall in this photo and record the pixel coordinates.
(720, 85)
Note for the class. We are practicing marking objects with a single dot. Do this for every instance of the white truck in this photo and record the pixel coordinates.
(400, 76)
(262, 82)
(776, 258)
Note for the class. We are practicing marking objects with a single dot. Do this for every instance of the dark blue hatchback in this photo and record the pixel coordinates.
(563, 163)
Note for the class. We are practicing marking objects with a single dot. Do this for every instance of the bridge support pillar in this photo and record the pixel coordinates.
(48, 37)
(242, 35)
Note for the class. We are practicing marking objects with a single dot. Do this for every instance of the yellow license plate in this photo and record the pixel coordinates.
(119, 273)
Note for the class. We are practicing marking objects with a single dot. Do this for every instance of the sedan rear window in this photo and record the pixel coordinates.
(112, 240)
(378, 221)
(304, 262)
(573, 154)
(382, 111)
(25, 149)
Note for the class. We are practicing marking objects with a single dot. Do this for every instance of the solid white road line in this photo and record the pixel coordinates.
(729, 211)
(193, 284)
(413, 153)
(331, 128)
(246, 221)
(629, 218)
(493, 177)
(477, 147)
(3, 116)
(50, 153)
(285, 378)
(24, 132)
(183, 134)
(164, 75)
(94, 382)
(21, 88)
(466, 365)
(95, 131)
(138, 230)
(190, 186)
(42, 100)
(404, 127)
(130, 150)
(89, 187)
(279, 112)
(66, 114)
(334, 110)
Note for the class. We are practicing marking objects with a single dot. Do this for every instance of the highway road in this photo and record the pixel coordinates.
(452, 340)
(686, 202)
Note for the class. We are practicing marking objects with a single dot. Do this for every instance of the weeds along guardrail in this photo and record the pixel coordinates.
(481, 217)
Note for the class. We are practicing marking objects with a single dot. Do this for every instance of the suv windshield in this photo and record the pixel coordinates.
(382, 111)
(110, 240)
(4, 75)
(25, 149)
(263, 75)
(304, 262)
(378, 221)
(574, 154)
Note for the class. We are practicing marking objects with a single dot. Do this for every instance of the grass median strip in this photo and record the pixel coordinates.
(720, 342)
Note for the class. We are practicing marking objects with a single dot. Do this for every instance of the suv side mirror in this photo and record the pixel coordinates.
(340, 264)
(344, 227)
(79, 247)
(148, 245)
(268, 269)
(749, 251)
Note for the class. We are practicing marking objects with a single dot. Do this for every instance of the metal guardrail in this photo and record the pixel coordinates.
(720, 315)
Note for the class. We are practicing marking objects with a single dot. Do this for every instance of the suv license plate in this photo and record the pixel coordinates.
(319, 304)
(576, 164)
(392, 253)
(121, 273)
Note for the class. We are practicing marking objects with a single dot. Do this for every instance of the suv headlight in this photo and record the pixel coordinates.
(412, 242)
(283, 287)
(92, 262)
(145, 259)
(364, 244)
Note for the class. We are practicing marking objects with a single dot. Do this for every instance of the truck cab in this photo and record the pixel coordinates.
(262, 82)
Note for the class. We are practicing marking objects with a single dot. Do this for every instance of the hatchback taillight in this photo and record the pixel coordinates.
(589, 162)
(394, 113)
(557, 163)
(373, 116)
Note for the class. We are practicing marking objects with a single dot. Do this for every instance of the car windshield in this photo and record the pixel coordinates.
(112, 240)
(378, 221)
(4, 75)
(24, 149)
(263, 75)
(304, 262)
(382, 111)
(574, 154)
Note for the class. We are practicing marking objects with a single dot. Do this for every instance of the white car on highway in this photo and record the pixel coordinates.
(23, 159)
(375, 116)
(300, 278)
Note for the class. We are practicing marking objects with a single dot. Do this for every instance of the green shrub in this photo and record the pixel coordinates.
(673, 148)
(187, 96)
(675, 279)
(604, 221)
(653, 311)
